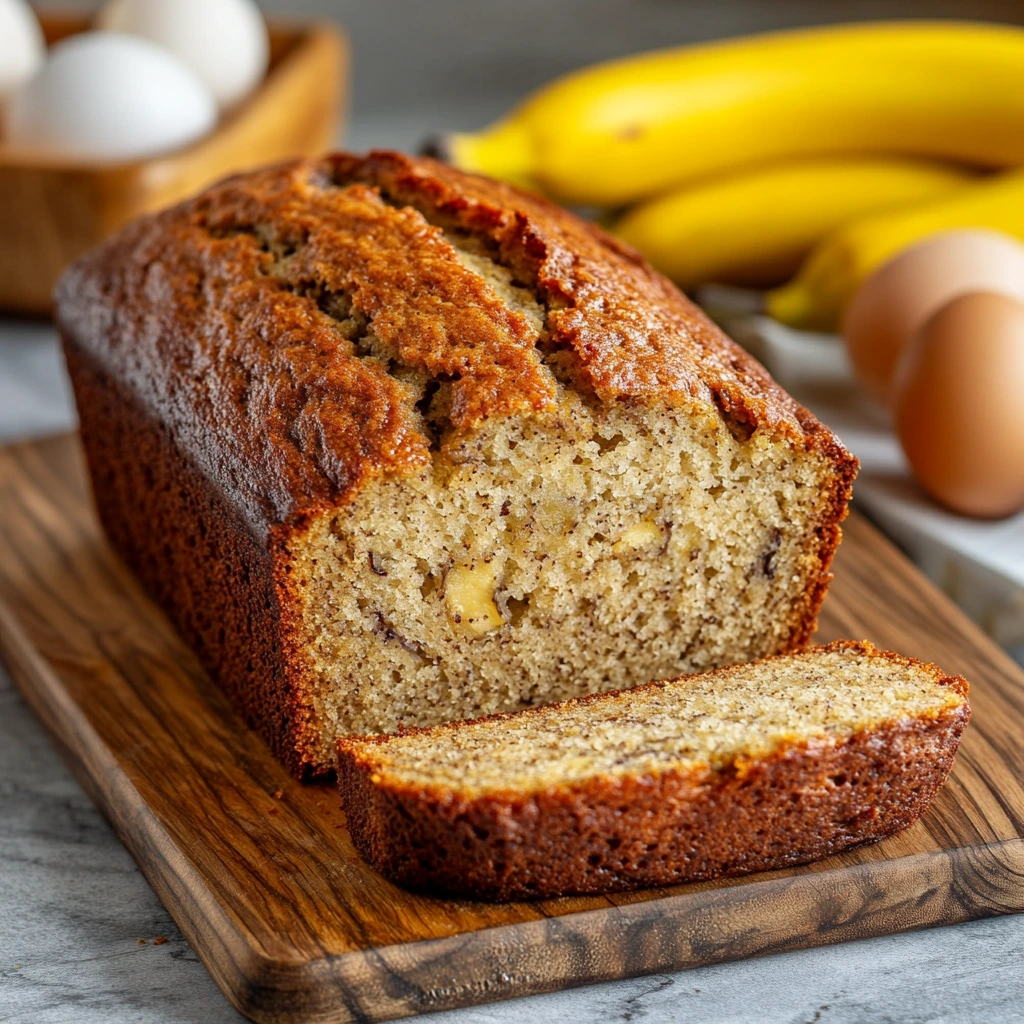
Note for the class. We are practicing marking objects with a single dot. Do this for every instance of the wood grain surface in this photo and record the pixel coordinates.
(261, 876)
(52, 210)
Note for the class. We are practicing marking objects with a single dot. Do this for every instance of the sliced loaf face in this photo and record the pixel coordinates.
(742, 769)
(566, 554)
(420, 447)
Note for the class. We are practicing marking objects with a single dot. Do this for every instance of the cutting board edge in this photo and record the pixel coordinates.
(526, 958)
(669, 918)
(657, 931)
(138, 828)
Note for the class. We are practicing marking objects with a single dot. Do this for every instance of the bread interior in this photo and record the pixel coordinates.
(700, 722)
(591, 548)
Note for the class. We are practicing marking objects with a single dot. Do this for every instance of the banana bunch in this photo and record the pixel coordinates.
(739, 158)
(842, 261)
(754, 229)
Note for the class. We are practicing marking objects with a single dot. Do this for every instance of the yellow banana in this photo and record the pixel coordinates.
(816, 297)
(629, 129)
(752, 229)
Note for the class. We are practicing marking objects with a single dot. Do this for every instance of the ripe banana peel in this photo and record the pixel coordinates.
(839, 265)
(626, 130)
(753, 228)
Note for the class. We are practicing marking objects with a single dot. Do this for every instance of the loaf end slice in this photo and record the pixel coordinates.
(749, 768)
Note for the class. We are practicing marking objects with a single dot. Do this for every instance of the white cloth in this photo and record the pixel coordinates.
(978, 563)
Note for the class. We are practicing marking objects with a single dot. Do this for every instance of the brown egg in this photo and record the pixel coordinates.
(959, 405)
(900, 295)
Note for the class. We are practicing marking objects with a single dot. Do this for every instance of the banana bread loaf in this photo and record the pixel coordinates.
(744, 769)
(395, 445)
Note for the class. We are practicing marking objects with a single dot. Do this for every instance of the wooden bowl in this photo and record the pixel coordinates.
(50, 211)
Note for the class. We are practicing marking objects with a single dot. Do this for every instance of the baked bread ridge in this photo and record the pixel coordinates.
(329, 343)
(245, 299)
(802, 796)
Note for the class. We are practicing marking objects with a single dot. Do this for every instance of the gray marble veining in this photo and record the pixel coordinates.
(73, 904)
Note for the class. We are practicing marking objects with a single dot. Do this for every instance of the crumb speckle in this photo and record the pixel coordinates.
(748, 711)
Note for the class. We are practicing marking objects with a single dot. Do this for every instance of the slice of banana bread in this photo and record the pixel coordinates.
(743, 769)
(394, 445)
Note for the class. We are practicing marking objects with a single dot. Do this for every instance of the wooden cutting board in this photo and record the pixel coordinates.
(261, 876)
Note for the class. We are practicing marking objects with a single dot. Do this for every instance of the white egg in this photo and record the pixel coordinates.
(22, 46)
(223, 41)
(107, 96)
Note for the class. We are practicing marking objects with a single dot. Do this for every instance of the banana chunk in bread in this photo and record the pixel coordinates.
(395, 445)
(743, 769)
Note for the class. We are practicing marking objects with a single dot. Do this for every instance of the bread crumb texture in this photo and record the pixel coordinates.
(685, 725)
(543, 558)
(743, 769)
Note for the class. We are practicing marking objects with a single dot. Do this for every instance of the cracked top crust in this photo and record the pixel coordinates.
(307, 327)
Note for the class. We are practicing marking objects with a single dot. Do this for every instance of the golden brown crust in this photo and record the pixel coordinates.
(258, 354)
(222, 315)
(609, 834)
